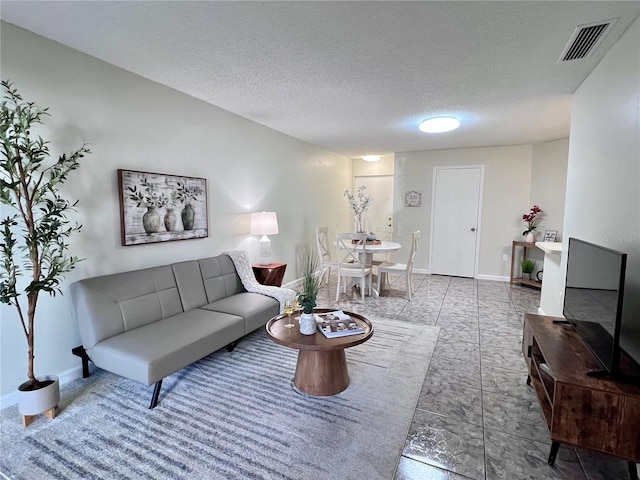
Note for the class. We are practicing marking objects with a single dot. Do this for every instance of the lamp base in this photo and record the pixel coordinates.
(265, 251)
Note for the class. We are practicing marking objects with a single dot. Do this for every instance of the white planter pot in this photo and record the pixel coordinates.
(307, 324)
(530, 237)
(34, 402)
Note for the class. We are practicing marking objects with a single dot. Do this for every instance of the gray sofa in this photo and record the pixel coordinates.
(147, 324)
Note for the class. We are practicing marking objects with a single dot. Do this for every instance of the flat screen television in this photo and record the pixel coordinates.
(593, 302)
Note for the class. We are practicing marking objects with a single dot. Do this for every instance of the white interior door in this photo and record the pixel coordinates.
(455, 220)
(379, 217)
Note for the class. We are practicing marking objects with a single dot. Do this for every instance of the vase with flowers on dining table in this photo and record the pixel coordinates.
(359, 203)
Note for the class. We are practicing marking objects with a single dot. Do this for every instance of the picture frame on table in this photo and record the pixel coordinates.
(156, 207)
(550, 235)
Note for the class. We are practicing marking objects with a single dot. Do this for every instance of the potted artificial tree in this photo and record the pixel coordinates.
(310, 288)
(34, 238)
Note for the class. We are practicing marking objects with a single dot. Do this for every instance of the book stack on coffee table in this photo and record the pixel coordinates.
(337, 324)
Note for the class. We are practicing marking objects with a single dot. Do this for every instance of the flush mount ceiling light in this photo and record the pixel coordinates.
(439, 124)
(371, 158)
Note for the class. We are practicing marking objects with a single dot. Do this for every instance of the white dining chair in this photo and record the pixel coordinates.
(325, 262)
(401, 268)
(351, 262)
(384, 234)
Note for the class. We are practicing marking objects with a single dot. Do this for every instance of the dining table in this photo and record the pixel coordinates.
(370, 250)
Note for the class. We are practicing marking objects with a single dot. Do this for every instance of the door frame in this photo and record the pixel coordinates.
(433, 210)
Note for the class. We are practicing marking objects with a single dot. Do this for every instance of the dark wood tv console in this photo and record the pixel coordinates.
(600, 414)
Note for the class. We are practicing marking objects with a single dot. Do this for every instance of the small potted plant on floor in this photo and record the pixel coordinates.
(34, 238)
(528, 266)
(310, 288)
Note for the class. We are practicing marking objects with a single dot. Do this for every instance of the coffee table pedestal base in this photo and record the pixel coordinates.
(321, 373)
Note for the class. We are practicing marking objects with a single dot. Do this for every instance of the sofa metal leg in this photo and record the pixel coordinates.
(233, 345)
(79, 351)
(552, 454)
(156, 394)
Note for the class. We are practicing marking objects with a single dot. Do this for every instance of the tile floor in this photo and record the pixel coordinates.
(476, 418)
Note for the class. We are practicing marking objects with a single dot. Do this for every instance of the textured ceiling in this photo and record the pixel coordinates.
(353, 77)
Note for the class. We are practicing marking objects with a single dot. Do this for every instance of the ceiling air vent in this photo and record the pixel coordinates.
(584, 40)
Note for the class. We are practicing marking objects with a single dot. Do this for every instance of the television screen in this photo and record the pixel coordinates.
(593, 297)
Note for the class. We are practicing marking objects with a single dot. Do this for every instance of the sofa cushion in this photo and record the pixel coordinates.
(189, 281)
(112, 304)
(150, 353)
(220, 277)
(256, 309)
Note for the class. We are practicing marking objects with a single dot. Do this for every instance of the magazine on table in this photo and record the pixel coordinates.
(337, 324)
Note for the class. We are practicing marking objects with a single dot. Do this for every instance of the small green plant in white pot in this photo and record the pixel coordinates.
(35, 238)
(310, 288)
(528, 266)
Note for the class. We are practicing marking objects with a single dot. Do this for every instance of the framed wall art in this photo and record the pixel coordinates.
(413, 199)
(155, 207)
(550, 235)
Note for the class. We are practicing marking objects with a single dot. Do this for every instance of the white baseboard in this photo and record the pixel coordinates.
(293, 285)
(64, 377)
(422, 271)
(493, 278)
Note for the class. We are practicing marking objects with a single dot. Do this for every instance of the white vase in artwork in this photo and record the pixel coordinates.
(151, 220)
(170, 220)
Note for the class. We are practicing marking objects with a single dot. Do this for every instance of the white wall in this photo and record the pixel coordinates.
(603, 177)
(548, 187)
(507, 184)
(382, 167)
(549, 182)
(136, 124)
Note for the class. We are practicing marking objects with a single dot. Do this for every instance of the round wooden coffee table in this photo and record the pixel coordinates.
(322, 366)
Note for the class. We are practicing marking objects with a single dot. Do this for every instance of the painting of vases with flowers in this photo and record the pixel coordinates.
(156, 207)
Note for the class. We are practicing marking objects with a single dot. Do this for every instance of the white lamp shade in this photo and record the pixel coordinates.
(264, 223)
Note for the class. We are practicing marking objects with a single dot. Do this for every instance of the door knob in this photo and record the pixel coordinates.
(473, 229)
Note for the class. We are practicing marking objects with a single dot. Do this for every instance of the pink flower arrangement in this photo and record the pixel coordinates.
(532, 219)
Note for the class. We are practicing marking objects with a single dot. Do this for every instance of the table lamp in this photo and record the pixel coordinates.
(264, 223)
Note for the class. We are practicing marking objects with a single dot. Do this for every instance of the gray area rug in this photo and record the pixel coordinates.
(232, 415)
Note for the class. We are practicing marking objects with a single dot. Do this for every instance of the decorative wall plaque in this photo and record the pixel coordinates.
(413, 199)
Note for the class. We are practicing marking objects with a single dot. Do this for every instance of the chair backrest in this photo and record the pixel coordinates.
(322, 243)
(352, 247)
(415, 240)
(383, 233)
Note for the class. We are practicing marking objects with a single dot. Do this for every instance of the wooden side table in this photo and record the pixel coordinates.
(271, 274)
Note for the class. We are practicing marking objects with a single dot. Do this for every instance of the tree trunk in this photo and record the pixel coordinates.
(31, 315)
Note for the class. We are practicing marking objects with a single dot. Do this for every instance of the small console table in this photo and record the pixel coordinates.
(271, 274)
(600, 414)
(525, 246)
